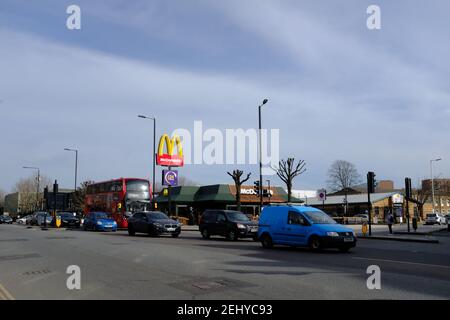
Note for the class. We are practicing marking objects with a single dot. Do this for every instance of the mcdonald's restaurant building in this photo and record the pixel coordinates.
(217, 196)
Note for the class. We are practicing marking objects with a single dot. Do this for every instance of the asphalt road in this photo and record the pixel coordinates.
(33, 265)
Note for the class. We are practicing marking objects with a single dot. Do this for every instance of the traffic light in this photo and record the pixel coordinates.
(46, 197)
(371, 182)
(55, 188)
(408, 190)
(256, 186)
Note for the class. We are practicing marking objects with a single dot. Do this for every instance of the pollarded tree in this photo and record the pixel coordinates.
(238, 181)
(287, 170)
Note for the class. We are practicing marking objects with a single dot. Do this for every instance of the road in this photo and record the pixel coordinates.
(33, 265)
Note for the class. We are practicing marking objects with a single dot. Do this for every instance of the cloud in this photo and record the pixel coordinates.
(346, 93)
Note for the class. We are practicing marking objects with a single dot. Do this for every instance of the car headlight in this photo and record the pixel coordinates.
(156, 224)
(99, 223)
(114, 223)
(332, 234)
(241, 226)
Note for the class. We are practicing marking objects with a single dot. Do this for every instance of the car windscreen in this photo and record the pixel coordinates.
(66, 215)
(432, 215)
(102, 215)
(319, 217)
(237, 216)
(157, 215)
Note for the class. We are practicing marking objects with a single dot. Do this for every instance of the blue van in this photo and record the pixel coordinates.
(302, 226)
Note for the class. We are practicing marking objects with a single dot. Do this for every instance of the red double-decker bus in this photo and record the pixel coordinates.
(120, 197)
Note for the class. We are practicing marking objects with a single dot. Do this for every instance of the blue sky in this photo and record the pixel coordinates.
(336, 90)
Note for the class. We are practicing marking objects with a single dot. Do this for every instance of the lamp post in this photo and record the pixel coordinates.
(432, 180)
(260, 157)
(76, 164)
(154, 156)
(38, 180)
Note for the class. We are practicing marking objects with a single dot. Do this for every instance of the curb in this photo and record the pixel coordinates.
(399, 239)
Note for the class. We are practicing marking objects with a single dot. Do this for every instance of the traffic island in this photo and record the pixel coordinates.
(421, 239)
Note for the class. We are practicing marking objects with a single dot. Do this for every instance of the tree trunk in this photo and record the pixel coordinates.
(238, 197)
(289, 190)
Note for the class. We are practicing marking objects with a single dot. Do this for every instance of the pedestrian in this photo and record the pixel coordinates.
(390, 221)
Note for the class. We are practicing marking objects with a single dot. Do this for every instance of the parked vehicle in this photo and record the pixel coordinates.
(447, 218)
(303, 226)
(68, 219)
(24, 219)
(37, 218)
(6, 219)
(227, 223)
(154, 223)
(435, 218)
(99, 221)
(364, 217)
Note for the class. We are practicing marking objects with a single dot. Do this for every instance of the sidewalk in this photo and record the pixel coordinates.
(424, 234)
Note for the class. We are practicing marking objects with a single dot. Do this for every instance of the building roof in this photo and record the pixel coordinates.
(351, 198)
(219, 193)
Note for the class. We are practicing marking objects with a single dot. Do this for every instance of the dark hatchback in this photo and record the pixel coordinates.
(227, 223)
(154, 223)
(68, 220)
(6, 219)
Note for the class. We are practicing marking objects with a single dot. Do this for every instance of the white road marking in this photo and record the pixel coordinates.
(404, 262)
(4, 294)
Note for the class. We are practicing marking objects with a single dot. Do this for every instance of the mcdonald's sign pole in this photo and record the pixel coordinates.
(169, 159)
(153, 157)
(260, 157)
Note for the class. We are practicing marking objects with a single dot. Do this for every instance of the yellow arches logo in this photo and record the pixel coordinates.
(169, 159)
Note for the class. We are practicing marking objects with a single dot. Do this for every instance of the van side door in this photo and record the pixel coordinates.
(297, 229)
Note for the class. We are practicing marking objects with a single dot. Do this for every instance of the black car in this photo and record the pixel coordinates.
(6, 219)
(68, 220)
(153, 223)
(227, 223)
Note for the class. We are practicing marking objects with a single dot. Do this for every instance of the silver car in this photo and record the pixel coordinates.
(435, 218)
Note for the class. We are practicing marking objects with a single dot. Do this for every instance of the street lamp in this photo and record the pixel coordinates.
(76, 164)
(154, 156)
(38, 180)
(260, 157)
(432, 180)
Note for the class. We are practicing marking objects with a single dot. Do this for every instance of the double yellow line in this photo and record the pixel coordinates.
(4, 294)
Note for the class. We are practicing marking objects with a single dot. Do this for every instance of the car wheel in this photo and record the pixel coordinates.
(266, 241)
(255, 238)
(175, 235)
(151, 232)
(205, 234)
(315, 243)
(131, 231)
(232, 235)
(84, 228)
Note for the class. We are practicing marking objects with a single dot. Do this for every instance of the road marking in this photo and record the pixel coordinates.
(4, 294)
(404, 262)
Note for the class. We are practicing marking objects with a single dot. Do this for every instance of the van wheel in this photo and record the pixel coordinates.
(232, 235)
(205, 234)
(131, 231)
(266, 241)
(315, 243)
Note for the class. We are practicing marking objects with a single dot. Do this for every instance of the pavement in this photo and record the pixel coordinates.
(34, 264)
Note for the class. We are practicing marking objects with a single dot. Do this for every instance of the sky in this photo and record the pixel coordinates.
(337, 90)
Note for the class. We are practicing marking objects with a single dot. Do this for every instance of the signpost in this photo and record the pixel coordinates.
(169, 159)
(322, 196)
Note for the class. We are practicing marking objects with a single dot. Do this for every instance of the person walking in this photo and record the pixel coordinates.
(390, 221)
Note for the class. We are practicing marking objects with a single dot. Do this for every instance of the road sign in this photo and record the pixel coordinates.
(322, 195)
(170, 178)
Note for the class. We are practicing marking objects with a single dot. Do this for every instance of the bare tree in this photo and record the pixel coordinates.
(237, 175)
(342, 175)
(2, 198)
(27, 188)
(79, 199)
(287, 170)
